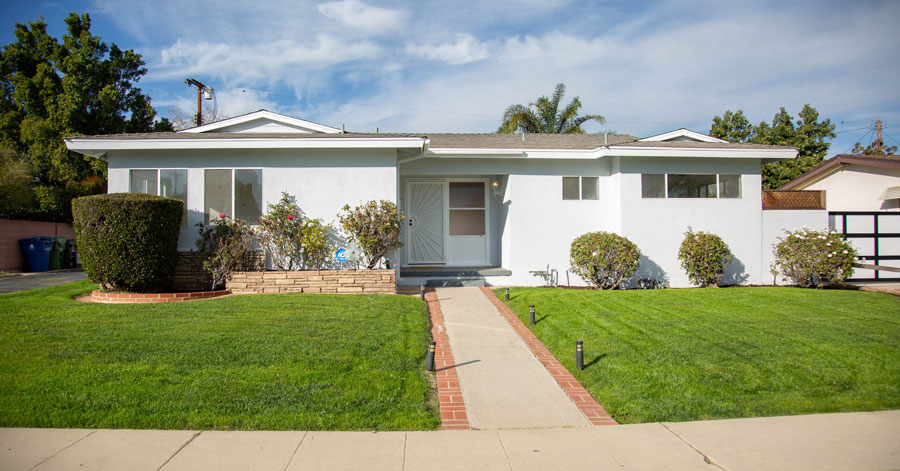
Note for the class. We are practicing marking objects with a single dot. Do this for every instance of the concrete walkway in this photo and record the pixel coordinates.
(503, 385)
(11, 284)
(855, 441)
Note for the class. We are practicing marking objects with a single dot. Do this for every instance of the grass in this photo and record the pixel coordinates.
(4, 274)
(270, 362)
(677, 355)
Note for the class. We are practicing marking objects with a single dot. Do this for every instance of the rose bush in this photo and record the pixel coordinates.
(281, 233)
(813, 258)
(226, 247)
(374, 227)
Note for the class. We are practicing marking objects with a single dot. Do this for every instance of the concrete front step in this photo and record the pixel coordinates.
(455, 282)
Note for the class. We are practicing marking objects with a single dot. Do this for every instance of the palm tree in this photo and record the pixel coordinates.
(543, 116)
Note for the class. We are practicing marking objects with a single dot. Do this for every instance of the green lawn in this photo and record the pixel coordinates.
(273, 362)
(689, 354)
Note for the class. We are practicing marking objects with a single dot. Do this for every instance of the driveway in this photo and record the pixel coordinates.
(28, 281)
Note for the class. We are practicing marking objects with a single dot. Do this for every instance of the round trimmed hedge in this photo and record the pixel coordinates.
(128, 241)
(604, 259)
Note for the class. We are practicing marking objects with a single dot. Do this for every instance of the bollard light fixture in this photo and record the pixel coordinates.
(507, 294)
(579, 354)
(531, 314)
(429, 359)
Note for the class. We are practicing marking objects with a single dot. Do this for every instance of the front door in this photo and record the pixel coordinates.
(425, 222)
(447, 222)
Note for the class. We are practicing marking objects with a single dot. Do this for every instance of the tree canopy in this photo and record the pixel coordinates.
(50, 89)
(807, 134)
(544, 116)
(877, 147)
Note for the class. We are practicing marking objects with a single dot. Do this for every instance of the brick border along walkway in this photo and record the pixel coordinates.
(592, 410)
(453, 409)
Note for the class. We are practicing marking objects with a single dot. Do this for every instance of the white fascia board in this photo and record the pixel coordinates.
(623, 151)
(767, 154)
(463, 153)
(280, 118)
(682, 133)
(98, 146)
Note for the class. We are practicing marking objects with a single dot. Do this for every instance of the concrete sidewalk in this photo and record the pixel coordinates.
(12, 284)
(503, 385)
(852, 441)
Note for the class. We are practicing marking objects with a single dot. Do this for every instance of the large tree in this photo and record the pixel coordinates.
(544, 116)
(807, 134)
(51, 89)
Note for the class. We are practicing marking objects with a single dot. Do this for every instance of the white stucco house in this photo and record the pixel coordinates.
(484, 206)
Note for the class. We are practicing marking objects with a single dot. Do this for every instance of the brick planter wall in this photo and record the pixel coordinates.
(98, 296)
(324, 281)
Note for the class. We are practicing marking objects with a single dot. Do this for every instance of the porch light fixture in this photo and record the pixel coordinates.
(496, 190)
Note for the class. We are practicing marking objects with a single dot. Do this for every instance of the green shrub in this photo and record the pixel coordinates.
(226, 247)
(281, 233)
(375, 227)
(128, 241)
(604, 259)
(813, 258)
(704, 257)
(315, 243)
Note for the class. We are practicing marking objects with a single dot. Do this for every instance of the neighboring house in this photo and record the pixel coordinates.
(477, 205)
(869, 186)
(854, 182)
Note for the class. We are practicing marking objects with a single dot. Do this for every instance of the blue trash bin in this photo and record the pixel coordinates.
(37, 252)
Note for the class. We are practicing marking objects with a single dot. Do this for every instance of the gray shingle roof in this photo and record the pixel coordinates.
(454, 140)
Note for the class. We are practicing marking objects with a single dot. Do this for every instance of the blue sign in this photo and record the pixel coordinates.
(340, 255)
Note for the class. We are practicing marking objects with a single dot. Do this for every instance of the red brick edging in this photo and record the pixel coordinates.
(450, 399)
(98, 296)
(592, 410)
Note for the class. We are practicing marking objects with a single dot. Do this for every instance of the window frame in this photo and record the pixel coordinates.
(159, 185)
(718, 187)
(580, 187)
(206, 220)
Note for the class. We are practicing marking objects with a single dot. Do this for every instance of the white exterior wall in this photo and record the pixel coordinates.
(322, 180)
(657, 225)
(774, 225)
(534, 227)
(858, 188)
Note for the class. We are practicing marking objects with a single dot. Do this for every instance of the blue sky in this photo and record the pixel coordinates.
(648, 67)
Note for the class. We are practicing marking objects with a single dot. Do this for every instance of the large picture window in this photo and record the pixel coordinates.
(171, 183)
(235, 193)
(676, 185)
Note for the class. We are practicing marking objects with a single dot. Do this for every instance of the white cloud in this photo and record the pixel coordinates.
(356, 14)
(463, 50)
(266, 62)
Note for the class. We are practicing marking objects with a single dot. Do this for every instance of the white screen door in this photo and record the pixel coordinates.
(425, 222)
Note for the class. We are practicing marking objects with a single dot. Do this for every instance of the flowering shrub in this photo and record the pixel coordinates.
(281, 233)
(604, 259)
(704, 257)
(315, 243)
(813, 258)
(375, 227)
(226, 247)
